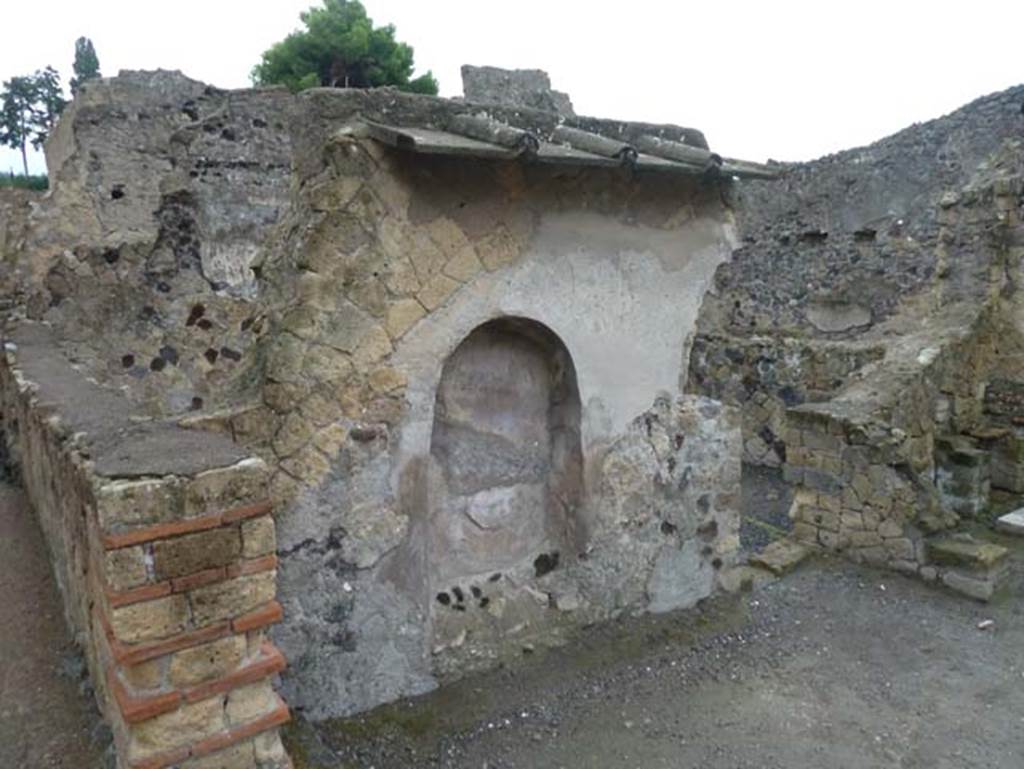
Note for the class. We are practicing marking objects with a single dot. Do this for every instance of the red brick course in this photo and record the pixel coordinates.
(270, 614)
(135, 709)
(187, 526)
(225, 739)
(244, 567)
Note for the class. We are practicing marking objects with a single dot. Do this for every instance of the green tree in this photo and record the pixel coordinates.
(341, 48)
(86, 66)
(29, 106)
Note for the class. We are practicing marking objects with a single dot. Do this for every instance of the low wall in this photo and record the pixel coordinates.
(163, 544)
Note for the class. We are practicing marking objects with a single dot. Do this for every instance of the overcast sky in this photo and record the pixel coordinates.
(781, 79)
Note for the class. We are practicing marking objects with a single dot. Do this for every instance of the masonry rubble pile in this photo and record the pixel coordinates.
(394, 386)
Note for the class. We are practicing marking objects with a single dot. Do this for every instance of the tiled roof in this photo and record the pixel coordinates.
(485, 137)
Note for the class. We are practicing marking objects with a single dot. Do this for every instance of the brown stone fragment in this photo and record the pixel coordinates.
(232, 598)
(201, 663)
(124, 569)
(258, 537)
(150, 620)
(196, 552)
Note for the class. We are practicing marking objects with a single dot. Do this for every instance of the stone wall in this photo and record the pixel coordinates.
(162, 192)
(514, 88)
(16, 208)
(841, 255)
(911, 441)
(256, 267)
(163, 546)
(389, 262)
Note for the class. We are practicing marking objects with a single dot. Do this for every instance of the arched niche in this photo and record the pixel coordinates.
(505, 445)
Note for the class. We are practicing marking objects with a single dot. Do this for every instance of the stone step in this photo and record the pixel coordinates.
(1012, 523)
(971, 567)
(962, 550)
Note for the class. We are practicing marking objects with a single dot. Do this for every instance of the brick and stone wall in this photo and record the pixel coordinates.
(387, 264)
(163, 544)
(255, 266)
(915, 443)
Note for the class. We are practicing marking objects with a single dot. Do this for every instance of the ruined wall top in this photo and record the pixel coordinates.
(514, 88)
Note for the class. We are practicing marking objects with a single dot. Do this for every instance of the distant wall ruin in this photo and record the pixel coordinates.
(871, 310)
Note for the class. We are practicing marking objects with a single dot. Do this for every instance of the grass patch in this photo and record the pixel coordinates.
(22, 182)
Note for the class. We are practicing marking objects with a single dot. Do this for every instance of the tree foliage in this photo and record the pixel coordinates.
(29, 106)
(86, 65)
(341, 48)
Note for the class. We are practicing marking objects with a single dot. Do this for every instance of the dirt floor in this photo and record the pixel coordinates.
(834, 666)
(47, 716)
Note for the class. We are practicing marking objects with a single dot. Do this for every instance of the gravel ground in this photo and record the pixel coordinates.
(47, 716)
(834, 666)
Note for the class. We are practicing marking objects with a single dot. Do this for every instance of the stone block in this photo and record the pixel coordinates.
(805, 532)
(124, 568)
(1007, 466)
(185, 726)
(202, 663)
(679, 579)
(240, 756)
(875, 555)
(781, 556)
(823, 481)
(216, 491)
(829, 539)
(196, 552)
(403, 315)
(268, 747)
(386, 380)
(464, 265)
(890, 529)
(150, 620)
(861, 539)
(1012, 523)
(963, 477)
(136, 503)
(498, 249)
(851, 521)
(145, 675)
(965, 553)
(232, 598)
(259, 537)
(436, 291)
(830, 502)
(979, 588)
(374, 345)
(900, 550)
(247, 703)
(825, 519)
(822, 441)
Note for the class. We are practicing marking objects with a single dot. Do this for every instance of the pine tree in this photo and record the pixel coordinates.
(341, 48)
(86, 65)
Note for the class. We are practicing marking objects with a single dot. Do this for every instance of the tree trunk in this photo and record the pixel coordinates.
(24, 157)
